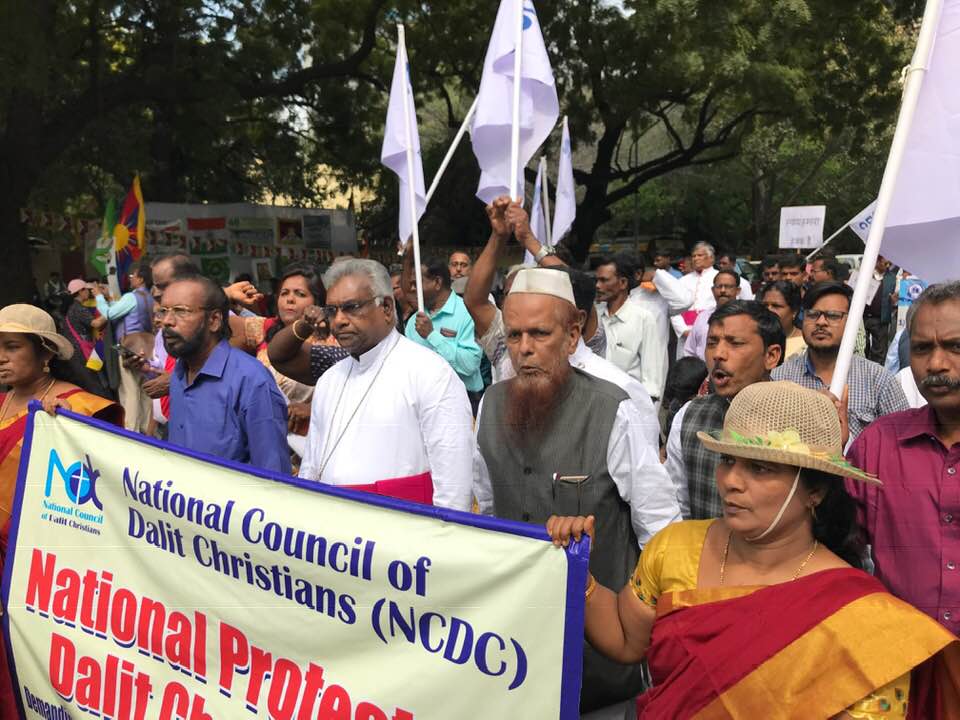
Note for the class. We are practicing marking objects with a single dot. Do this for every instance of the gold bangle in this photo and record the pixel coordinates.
(591, 586)
(293, 329)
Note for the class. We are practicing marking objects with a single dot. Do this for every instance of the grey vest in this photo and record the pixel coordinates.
(702, 414)
(575, 443)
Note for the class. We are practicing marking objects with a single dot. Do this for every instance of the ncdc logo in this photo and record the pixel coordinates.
(79, 480)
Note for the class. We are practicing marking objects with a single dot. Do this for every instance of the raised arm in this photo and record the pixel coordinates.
(519, 223)
(476, 296)
(288, 350)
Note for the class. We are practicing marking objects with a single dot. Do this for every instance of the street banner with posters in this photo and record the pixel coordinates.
(143, 581)
(802, 227)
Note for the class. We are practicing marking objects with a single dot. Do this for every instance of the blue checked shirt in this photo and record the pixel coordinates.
(873, 390)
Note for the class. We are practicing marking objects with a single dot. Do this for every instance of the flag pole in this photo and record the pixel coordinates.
(453, 148)
(832, 237)
(911, 95)
(515, 189)
(411, 188)
(545, 191)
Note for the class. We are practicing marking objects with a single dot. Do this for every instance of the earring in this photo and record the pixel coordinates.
(46, 367)
(813, 512)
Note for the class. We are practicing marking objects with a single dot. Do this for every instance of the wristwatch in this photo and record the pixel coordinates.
(543, 252)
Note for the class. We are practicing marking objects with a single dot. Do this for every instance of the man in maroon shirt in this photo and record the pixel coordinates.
(912, 522)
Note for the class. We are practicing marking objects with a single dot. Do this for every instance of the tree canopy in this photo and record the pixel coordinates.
(232, 100)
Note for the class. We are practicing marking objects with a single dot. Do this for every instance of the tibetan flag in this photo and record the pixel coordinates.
(129, 234)
(95, 358)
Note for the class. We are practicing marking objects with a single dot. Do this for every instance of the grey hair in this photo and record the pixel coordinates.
(933, 295)
(375, 273)
(705, 246)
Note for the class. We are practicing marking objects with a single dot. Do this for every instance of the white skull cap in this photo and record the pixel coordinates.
(544, 281)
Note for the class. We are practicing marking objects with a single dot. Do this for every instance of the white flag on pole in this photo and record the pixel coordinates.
(538, 220)
(862, 222)
(394, 153)
(539, 107)
(565, 208)
(923, 222)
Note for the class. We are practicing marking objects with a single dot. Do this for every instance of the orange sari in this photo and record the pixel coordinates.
(810, 648)
(11, 443)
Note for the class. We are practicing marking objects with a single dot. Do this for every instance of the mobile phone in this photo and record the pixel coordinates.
(126, 352)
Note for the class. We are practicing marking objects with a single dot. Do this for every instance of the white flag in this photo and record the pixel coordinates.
(394, 153)
(862, 222)
(538, 219)
(565, 208)
(922, 231)
(539, 107)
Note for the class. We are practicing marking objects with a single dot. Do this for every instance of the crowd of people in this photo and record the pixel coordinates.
(680, 419)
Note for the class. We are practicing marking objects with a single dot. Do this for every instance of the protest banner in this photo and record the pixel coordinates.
(143, 581)
(802, 227)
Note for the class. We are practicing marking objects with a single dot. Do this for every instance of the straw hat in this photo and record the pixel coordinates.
(31, 320)
(782, 422)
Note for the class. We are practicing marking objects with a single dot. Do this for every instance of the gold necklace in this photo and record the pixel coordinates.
(726, 552)
(9, 397)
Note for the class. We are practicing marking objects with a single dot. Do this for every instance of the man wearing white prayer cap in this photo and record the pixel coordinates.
(555, 440)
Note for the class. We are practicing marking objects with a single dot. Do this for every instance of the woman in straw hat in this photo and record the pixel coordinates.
(765, 612)
(31, 352)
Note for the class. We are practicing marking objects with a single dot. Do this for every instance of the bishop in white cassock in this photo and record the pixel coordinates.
(700, 284)
(393, 417)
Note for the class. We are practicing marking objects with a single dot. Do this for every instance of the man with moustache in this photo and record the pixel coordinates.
(726, 288)
(554, 440)
(745, 343)
(873, 391)
(222, 401)
(911, 521)
(634, 342)
(392, 417)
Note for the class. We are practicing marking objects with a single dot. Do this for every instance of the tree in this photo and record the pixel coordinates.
(201, 96)
(673, 84)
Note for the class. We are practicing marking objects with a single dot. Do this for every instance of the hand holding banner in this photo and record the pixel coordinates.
(144, 583)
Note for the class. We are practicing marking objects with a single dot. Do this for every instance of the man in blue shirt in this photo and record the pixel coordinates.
(447, 327)
(131, 313)
(222, 401)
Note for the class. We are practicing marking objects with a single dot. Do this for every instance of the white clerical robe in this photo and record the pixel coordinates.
(415, 418)
(700, 284)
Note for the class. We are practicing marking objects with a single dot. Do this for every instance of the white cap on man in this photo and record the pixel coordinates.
(544, 281)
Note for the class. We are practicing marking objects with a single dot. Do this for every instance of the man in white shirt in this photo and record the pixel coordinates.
(392, 418)
(634, 339)
(728, 261)
(700, 283)
(557, 441)
(726, 286)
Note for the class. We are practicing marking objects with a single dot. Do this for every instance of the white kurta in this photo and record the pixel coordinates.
(415, 418)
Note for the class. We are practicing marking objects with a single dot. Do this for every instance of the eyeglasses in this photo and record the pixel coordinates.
(351, 308)
(725, 287)
(832, 316)
(180, 312)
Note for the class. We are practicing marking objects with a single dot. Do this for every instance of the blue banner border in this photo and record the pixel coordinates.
(578, 554)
